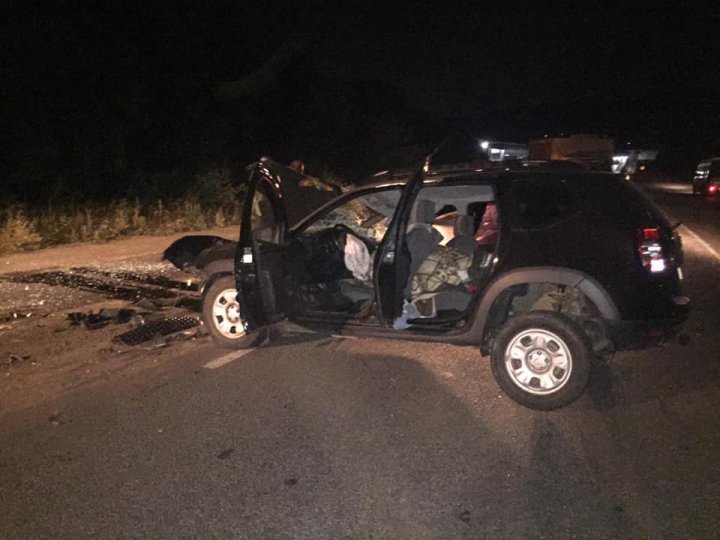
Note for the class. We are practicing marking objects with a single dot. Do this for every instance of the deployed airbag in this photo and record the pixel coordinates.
(357, 258)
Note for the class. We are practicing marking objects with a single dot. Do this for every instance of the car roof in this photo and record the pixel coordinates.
(480, 171)
(708, 161)
(463, 173)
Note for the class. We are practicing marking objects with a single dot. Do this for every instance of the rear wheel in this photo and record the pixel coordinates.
(541, 360)
(222, 316)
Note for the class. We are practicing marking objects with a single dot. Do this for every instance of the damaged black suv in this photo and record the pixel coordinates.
(542, 270)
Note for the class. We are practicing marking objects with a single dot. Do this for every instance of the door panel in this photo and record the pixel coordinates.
(392, 259)
(259, 263)
(277, 196)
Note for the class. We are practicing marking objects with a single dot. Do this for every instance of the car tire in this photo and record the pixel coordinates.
(541, 360)
(221, 315)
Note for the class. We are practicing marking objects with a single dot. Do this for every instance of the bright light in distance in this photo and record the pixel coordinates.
(485, 145)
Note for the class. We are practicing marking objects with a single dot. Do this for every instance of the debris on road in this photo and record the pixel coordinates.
(15, 359)
(93, 321)
(54, 351)
(14, 315)
(57, 419)
(156, 304)
(121, 285)
(162, 327)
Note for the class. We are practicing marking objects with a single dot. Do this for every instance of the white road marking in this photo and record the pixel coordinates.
(687, 230)
(227, 358)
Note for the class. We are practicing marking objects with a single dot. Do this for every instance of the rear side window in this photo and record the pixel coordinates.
(541, 202)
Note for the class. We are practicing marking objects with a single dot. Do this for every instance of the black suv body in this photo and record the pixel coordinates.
(541, 270)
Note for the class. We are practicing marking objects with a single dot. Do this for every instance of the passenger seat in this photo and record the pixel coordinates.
(464, 237)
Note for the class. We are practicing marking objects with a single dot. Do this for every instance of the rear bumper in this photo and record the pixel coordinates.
(641, 334)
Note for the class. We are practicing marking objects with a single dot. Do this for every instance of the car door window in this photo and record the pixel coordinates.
(541, 202)
(265, 225)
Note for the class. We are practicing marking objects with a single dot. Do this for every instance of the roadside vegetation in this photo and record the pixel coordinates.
(211, 201)
(140, 136)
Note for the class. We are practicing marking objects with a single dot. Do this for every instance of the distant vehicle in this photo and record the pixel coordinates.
(542, 270)
(595, 152)
(503, 151)
(707, 177)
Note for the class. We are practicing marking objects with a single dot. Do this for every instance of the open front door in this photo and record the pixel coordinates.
(392, 260)
(277, 197)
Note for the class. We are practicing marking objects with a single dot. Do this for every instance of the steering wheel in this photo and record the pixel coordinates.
(341, 229)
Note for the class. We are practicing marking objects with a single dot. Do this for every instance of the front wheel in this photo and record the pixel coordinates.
(221, 314)
(541, 360)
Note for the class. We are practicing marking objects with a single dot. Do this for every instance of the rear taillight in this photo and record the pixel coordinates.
(712, 188)
(650, 250)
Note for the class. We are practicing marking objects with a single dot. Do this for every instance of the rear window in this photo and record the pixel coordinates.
(614, 199)
(715, 169)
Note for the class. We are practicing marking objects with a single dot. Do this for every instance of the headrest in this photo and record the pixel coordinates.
(464, 226)
(424, 211)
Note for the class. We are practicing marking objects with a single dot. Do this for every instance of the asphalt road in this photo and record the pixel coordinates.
(321, 437)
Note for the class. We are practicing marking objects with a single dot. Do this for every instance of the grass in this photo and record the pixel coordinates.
(212, 202)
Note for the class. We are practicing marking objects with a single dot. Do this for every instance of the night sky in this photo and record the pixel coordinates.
(597, 67)
(137, 90)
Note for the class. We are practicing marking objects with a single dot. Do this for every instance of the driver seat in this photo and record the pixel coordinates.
(422, 236)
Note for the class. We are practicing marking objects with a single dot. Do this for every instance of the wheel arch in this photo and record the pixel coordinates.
(492, 309)
(215, 272)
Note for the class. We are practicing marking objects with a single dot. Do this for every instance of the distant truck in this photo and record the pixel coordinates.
(594, 152)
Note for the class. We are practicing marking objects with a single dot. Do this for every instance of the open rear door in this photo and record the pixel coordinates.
(277, 197)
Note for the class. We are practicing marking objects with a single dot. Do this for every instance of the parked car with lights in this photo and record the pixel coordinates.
(578, 264)
(706, 180)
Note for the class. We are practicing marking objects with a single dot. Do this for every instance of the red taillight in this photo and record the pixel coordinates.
(712, 188)
(650, 250)
(651, 234)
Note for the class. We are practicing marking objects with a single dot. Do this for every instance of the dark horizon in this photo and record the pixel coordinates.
(152, 91)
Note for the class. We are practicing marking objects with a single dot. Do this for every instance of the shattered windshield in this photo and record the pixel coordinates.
(367, 215)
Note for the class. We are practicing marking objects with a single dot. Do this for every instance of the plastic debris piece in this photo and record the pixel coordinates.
(409, 312)
(57, 419)
(148, 304)
(158, 341)
(76, 317)
(93, 321)
(163, 327)
(14, 359)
